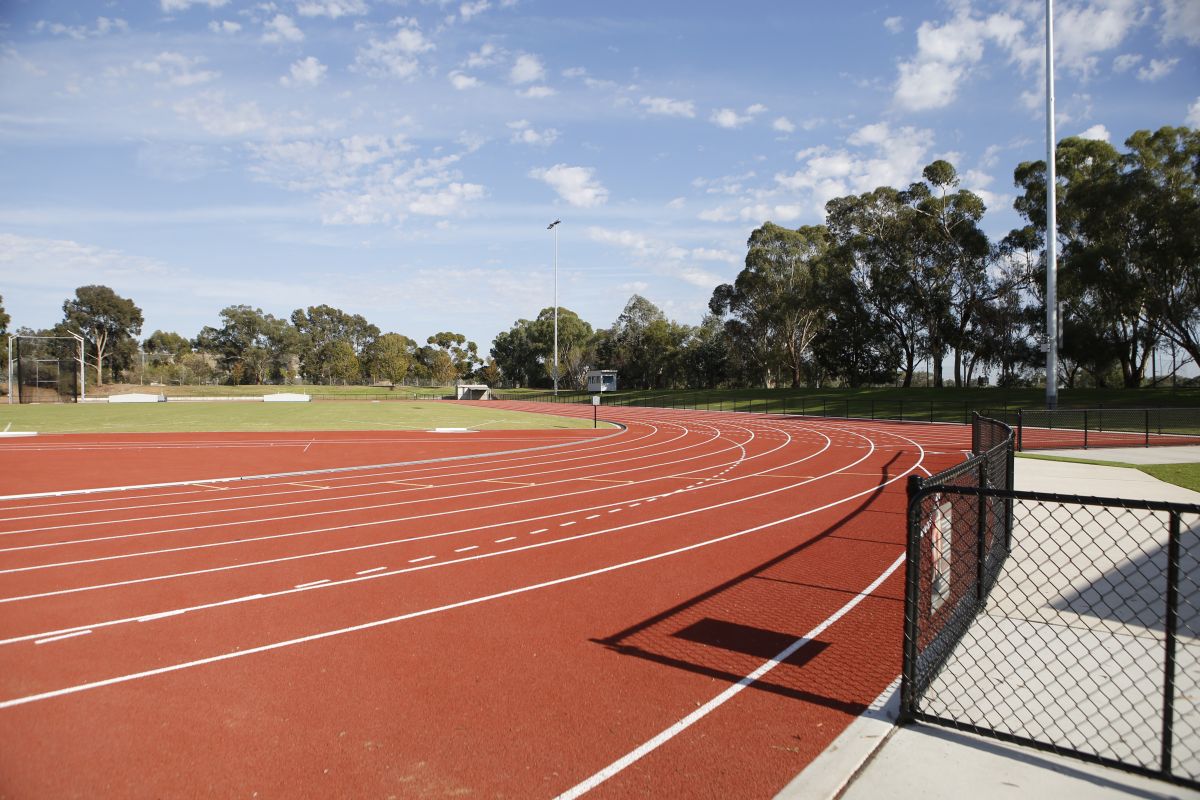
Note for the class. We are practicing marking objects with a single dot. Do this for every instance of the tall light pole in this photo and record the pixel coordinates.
(1051, 223)
(553, 226)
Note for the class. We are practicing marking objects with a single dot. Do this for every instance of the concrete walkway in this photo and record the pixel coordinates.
(874, 759)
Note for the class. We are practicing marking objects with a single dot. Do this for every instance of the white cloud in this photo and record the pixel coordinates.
(171, 6)
(883, 156)
(728, 118)
(1083, 31)
(538, 92)
(524, 133)
(755, 109)
(176, 69)
(1126, 62)
(395, 57)
(947, 54)
(1181, 20)
(280, 28)
(783, 125)
(667, 107)
(224, 26)
(462, 81)
(305, 72)
(1157, 69)
(1097, 132)
(527, 69)
(894, 24)
(472, 9)
(211, 112)
(331, 8)
(1193, 114)
(487, 55)
(446, 201)
(103, 27)
(577, 185)
(666, 259)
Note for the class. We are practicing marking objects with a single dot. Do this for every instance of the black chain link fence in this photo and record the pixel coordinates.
(1069, 624)
(1083, 428)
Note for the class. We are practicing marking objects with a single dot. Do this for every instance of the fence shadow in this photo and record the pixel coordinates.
(729, 630)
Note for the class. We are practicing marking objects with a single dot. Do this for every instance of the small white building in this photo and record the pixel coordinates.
(473, 391)
(602, 380)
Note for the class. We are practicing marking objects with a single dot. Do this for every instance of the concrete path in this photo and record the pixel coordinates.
(874, 759)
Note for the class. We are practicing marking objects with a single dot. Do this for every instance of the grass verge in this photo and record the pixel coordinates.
(249, 416)
(1185, 475)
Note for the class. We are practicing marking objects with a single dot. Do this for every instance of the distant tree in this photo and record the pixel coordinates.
(167, 343)
(490, 373)
(441, 367)
(4, 320)
(516, 355)
(105, 319)
(463, 354)
(706, 354)
(389, 357)
(342, 363)
(319, 328)
(263, 344)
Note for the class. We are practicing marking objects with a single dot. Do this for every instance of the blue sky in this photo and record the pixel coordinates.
(401, 160)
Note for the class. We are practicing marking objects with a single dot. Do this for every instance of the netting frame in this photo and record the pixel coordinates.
(14, 367)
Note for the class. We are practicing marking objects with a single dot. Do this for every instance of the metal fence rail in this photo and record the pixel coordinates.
(1085, 641)
(1084, 428)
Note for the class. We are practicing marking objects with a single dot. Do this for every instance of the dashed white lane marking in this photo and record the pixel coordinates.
(505, 539)
(592, 516)
(312, 583)
(422, 558)
(613, 510)
(565, 524)
(539, 530)
(467, 548)
(728, 694)
(634, 505)
(70, 635)
(177, 611)
(369, 571)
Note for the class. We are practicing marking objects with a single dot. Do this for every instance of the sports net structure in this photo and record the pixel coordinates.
(45, 369)
(1065, 623)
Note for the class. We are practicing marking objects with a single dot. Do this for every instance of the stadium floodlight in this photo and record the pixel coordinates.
(1052, 326)
(553, 226)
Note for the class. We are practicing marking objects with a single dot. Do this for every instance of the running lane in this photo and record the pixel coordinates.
(515, 624)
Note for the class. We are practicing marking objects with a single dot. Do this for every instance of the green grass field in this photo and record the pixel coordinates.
(251, 416)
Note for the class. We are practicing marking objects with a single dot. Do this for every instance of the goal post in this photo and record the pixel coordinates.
(41, 371)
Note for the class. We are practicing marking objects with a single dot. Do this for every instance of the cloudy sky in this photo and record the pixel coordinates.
(401, 160)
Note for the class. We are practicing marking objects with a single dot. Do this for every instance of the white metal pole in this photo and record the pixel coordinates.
(554, 227)
(10, 368)
(1051, 223)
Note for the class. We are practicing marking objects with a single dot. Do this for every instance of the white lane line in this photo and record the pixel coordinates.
(539, 530)
(613, 510)
(467, 548)
(505, 539)
(593, 516)
(369, 571)
(177, 611)
(565, 524)
(312, 583)
(61, 637)
(422, 558)
(704, 710)
(83, 687)
(634, 505)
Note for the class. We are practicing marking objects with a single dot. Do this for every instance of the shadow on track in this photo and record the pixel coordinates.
(709, 634)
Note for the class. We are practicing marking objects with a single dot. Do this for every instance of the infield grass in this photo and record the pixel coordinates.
(250, 416)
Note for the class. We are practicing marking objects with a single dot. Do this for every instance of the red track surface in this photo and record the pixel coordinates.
(504, 625)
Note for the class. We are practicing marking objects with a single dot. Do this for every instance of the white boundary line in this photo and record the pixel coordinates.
(712, 705)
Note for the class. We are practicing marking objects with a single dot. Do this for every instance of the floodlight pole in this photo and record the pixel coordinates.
(10, 369)
(553, 226)
(1051, 223)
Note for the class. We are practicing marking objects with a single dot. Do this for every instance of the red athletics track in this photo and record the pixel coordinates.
(537, 624)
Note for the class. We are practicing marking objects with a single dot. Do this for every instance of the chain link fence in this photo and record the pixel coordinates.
(1083, 428)
(1069, 624)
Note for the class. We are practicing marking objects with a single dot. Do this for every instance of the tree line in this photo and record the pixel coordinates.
(899, 276)
(893, 278)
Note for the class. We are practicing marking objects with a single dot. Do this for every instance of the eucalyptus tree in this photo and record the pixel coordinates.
(774, 304)
(105, 320)
(253, 346)
(319, 328)
(389, 358)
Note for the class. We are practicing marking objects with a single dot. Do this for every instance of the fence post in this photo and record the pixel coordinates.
(1171, 624)
(872, 409)
(902, 409)
(1009, 484)
(912, 576)
(1085, 429)
(1020, 430)
(981, 535)
(823, 414)
(1147, 427)
(930, 412)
